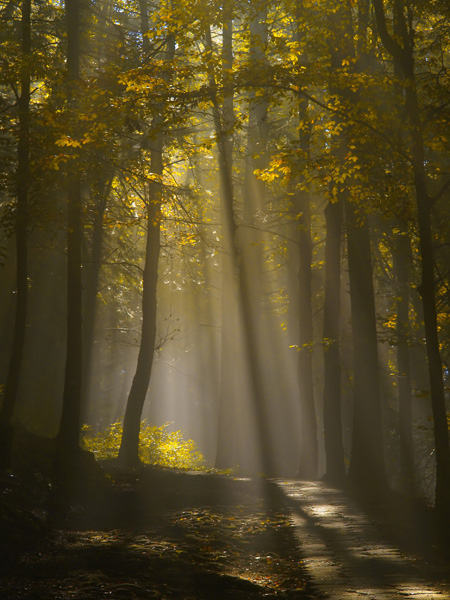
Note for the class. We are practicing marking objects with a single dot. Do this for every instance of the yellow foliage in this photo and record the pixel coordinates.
(67, 141)
(157, 446)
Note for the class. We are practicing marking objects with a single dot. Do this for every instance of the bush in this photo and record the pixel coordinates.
(157, 446)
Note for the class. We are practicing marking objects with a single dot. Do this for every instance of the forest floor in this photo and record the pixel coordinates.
(161, 534)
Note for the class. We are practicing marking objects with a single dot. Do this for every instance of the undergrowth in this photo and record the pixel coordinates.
(157, 446)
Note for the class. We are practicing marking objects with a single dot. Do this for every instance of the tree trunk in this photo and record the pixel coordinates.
(402, 259)
(68, 437)
(229, 451)
(23, 177)
(334, 450)
(129, 448)
(309, 448)
(341, 47)
(93, 268)
(367, 470)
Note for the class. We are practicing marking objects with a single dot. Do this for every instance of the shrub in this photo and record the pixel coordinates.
(157, 446)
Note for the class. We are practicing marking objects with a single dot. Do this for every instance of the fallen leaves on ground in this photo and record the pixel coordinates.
(203, 552)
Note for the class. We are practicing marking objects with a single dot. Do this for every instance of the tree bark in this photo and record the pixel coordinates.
(308, 434)
(309, 451)
(332, 418)
(68, 437)
(228, 452)
(367, 470)
(129, 448)
(23, 179)
(93, 268)
(402, 259)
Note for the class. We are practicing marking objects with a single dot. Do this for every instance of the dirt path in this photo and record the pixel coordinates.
(168, 535)
(346, 555)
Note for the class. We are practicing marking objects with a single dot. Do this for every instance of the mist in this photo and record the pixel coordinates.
(217, 223)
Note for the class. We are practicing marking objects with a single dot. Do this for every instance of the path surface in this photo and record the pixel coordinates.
(346, 555)
(166, 535)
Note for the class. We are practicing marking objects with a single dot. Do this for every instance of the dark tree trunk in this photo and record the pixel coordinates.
(341, 47)
(367, 469)
(250, 237)
(308, 463)
(332, 418)
(92, 268)
(23, 178)
(427, 291)
(129, 448)
(402, 261)
(308, 434)
(228, 438)
(68, 437)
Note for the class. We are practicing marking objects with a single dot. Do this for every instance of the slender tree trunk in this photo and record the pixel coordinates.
(250, 238)
(68, 437)
(309, 452)
(129, 448)
(23, 179)
(93, 268)
(308, 463)
(228, 439)
(334, 450)
(367, 469)
(341, 47)
(309, 448)
(402, 259)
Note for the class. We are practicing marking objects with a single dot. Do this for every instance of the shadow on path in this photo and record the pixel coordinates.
(346, 555)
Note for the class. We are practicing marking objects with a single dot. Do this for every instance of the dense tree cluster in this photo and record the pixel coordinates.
(243, 207)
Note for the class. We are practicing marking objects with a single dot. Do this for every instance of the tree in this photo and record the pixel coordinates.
(129, 448)
(70, 425)
(309, 449)
(332, 416)
(402, 262)
(23, 185)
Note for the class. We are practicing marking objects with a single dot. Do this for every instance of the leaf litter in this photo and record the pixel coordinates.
(181, 543)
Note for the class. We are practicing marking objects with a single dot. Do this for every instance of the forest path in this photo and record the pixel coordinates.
(346, 554)
(166, 535)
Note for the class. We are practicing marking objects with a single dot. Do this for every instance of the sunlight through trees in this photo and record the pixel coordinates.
(232, 217)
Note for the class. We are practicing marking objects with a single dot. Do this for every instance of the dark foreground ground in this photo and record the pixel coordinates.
(170, 535)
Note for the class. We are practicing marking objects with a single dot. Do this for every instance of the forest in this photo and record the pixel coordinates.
(226, 225)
